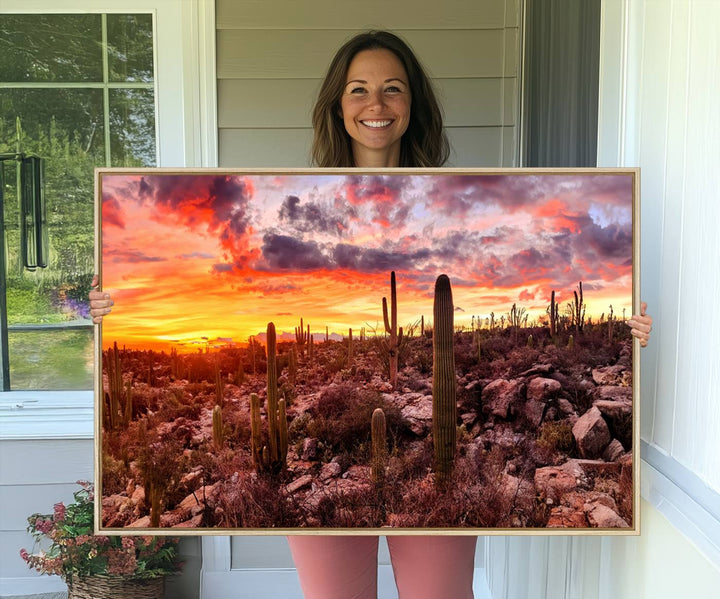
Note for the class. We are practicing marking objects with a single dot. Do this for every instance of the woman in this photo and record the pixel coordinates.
(376, 108)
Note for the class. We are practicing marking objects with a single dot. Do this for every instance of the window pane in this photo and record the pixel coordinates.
(130, 47)
(66, 127)
(132, 127)
(50, 48)
(53, 360)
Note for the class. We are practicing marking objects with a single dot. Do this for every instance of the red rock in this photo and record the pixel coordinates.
(601, 516)
(542, 389)
(566, 517)
(591, 433)
(552, 482)
(498, 396)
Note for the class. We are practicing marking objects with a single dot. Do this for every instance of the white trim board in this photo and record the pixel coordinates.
(692, 516)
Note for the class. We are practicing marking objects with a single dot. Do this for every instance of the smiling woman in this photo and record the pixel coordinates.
(375, 78)
(375, 107)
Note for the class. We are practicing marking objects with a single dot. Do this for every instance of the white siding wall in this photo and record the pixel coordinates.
(271, 57)
(660, 84)
(34, 475)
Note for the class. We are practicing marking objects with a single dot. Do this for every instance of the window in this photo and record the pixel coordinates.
(77, 90)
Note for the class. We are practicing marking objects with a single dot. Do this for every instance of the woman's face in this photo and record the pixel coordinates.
(375, 107)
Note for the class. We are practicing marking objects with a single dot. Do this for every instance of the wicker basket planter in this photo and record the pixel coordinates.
(116, 587)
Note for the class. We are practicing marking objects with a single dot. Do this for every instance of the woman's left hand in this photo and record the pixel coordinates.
(641, 325)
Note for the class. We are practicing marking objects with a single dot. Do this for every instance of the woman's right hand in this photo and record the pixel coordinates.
(100, 302)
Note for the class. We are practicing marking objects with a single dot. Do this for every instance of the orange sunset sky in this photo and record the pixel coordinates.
(196, 260)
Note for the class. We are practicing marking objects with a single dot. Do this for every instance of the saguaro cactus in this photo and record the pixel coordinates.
(282, 431)
(255, 431)
(579, 309)
(219, 385)
(292, 365)
(392, 329)
(272, 392)
(378, 434)
(554, 316)
(301, 336)
(251, 341)
(444, 403)
(115, 383)
(350, 348)
(218, 437)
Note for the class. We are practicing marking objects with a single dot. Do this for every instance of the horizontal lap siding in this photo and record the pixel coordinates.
(34, 475)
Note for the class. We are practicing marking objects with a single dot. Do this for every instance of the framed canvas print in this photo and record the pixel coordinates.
(397, 351)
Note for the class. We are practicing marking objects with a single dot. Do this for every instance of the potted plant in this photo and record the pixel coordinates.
(97, 566)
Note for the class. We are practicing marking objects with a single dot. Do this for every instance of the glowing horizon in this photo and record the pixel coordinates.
(205, 260)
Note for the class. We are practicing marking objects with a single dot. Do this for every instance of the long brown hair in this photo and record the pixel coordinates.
(424, 144)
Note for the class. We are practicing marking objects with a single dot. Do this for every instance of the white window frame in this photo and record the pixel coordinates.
(186, 130)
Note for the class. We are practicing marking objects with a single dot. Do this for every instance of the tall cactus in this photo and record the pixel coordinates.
(282, 432)
(272, 392)
(127, 417)
(255, 431)
(115, 383)
(579, 309)
(219, 385)
(292, 365)
(444, 403)
(378, 435)
(392, 329)
(251, 343)
(218, 436)
(350, 348)
(301, 336)
(554, 316)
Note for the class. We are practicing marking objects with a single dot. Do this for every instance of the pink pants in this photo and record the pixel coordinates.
(425, 567)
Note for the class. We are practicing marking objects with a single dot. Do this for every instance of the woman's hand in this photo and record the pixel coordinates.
(641, 325)
(100, 302)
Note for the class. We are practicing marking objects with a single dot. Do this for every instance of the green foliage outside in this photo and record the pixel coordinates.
(66, 127)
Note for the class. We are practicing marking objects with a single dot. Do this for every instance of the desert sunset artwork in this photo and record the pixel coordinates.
(293, 350)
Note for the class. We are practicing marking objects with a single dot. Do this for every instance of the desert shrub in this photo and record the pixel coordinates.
(344, 414)
(412, 463)
(556, 436)
(297, 429)
(161, 465)
(258, 501)
(419, 355)
(115, 475)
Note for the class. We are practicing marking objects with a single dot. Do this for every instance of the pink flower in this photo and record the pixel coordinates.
(59, 509)
(128, 543)
(24, 555)
(44, 526)
(121, 562)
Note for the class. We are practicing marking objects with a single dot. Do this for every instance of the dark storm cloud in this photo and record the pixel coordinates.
(456, 194)
(371, 260)
(313, 216)
(281, 252)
